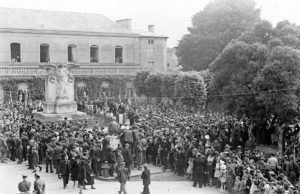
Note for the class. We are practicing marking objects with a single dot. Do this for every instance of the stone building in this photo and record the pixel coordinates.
(103, 49)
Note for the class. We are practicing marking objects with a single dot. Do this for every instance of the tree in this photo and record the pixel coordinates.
(153, 84)
(259, 76)
(212, 29)
(191, 90)
(288, 33)
(234, 70)
(139, 82)
(168, 85)
(281, 75)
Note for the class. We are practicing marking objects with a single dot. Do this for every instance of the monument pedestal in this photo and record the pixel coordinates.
(53, 111)
(59, 107)
(59, 94)
(56, 117)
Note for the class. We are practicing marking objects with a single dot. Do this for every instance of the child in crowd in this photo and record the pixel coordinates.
(189, 170)
(217, 172)
(237, 185)
(243, 185)
(222, 177)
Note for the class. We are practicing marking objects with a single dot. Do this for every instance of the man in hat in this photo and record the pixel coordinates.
(49, 158)
(123, 176)
(180, 162)
(57, 156)
(127, 157)
(39, 185)
(3, 148)
(146, 179)
(96, 156)
(24, 186)
(199, 168)
(113, 127)
(292, 170)
(65, 170)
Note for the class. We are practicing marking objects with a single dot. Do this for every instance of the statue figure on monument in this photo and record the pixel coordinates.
(61, 76)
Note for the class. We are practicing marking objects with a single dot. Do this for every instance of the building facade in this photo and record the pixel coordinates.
(102, 48)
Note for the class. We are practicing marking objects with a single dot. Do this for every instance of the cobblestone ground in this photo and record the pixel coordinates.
(10, 176)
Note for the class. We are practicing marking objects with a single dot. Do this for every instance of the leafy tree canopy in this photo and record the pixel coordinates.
(263, 66)
(212, 29)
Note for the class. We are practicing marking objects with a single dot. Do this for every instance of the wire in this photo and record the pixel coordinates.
(208, 96)
(251, 93)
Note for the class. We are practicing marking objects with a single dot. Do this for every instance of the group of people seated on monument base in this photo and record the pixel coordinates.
(210, 150)
(109, 108)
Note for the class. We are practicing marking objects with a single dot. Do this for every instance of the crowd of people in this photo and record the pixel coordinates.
(209, 149)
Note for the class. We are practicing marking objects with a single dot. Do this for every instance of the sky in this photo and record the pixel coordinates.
(170, 17)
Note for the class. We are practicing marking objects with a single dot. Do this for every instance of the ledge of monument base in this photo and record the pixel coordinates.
(60, 107)
(55, 117)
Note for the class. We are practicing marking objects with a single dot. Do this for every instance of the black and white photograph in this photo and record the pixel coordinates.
(150, 96)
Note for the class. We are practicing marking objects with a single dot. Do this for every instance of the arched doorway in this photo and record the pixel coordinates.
(130, 92)
(22, 91)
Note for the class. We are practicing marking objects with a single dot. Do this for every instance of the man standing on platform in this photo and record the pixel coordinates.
(24, 186)
(146, 179)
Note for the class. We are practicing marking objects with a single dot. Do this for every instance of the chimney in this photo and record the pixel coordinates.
(125, 23)
(151, 28)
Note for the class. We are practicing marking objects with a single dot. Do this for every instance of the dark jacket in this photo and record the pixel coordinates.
(24, 186)
(122, 175)
(146, 177)
(50, 153)
(199, 165)
(127, 156)
(57, 153)
(39, 186)
(65, 167)
(81, 173)
(97, 154)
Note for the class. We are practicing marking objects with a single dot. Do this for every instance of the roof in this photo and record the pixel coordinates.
(147, 34)
(13, 18)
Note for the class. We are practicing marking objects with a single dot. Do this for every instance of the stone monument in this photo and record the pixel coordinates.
(59, 94)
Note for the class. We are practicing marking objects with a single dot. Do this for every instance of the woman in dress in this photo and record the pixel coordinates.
(210, 167)
(81, 175)
(89, 175)
(74, 169)
(217, 172)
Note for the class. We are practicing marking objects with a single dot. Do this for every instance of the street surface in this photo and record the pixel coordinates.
(11, 175)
